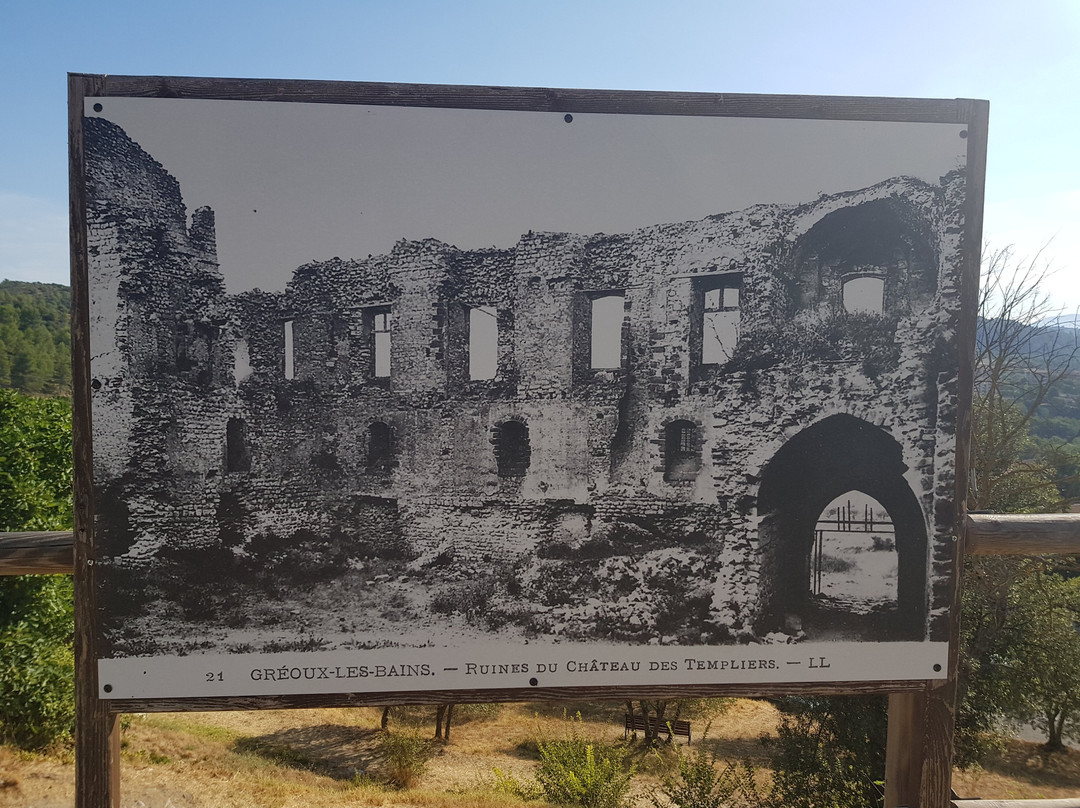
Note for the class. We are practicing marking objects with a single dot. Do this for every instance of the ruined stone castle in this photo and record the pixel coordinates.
(710, 384)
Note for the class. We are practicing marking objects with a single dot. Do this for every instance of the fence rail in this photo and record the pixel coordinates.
(1071, 802)
(40, 553)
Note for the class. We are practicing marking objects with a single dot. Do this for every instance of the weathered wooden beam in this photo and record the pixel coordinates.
(40, 553)
(534, 99)
(1069, 802)
(1023, 534)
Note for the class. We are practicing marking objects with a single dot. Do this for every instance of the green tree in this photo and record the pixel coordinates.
(35, 337)
(829, 751)
(1044, 655)
(1020, 358)
(37, 667)
(35, 462)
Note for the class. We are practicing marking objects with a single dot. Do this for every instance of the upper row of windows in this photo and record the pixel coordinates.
(716, 327)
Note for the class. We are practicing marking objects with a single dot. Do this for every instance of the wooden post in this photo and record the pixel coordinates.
(903, 764)
(919, 751)
(97, 734)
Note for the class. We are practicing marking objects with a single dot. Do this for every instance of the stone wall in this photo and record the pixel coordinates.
(410, 461)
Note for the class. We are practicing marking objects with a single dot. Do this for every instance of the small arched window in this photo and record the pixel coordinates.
(512, 450)
(682, 451)
(380, 447)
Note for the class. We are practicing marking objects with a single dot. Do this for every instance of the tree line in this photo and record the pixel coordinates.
(35, 337)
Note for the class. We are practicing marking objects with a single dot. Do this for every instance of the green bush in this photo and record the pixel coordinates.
(577, 771)
(829, 750)
(700, 784)
(37, 664)
(404, 757)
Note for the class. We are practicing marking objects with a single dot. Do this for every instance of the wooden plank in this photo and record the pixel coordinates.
(40, 553)
(36, 561)
(97, 734)
(1069, 802)
(1024, 534)
(301, 701)
(903, 768)
(924, 110)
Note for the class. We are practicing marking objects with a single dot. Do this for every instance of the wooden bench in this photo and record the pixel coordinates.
(635, 722)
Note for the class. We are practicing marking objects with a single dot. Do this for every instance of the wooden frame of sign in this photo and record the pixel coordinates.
(785, 263)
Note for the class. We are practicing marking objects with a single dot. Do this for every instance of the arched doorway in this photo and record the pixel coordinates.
(853, 564)
(838, 455)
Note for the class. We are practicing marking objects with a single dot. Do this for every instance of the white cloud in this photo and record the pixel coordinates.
(33, 239)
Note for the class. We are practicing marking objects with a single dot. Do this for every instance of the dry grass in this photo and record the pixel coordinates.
(1023, 772)
(299, 758)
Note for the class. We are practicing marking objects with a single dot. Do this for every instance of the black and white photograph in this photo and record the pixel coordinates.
(404, 397)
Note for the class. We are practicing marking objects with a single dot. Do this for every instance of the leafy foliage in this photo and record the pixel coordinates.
(37, 667)
(829, 751)
(1024, 359)
(575, 770)
(35, 462)
(35, 337)
(701, 784)
(1021, 359)
(405, 757)
(1044, 654)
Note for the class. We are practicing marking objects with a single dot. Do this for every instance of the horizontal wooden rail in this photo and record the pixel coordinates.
(1070, 802)
(40, 553)
(987, 534)
(1023, 534)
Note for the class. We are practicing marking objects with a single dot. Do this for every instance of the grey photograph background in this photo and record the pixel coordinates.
(379, 376)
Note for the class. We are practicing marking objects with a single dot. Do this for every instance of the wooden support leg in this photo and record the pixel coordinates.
(918, 758)
(904, 749)
(97, 755)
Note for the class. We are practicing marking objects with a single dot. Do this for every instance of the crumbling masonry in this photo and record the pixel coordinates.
(747, 391)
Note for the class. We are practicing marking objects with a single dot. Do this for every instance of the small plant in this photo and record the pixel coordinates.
(405, 757)
(578, 771)
(701, 784)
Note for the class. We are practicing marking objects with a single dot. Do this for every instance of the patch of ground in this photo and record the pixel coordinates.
(1023, 771)
(332, 757)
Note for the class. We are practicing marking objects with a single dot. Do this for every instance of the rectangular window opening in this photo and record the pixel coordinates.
(864, 294)
(606, 331)
(720, 321)
(483, 342)
(290, 367)
(380, 329)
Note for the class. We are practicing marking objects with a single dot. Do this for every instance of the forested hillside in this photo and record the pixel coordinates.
(35, 337)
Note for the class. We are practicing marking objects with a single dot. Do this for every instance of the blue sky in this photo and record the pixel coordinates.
(1024, 58)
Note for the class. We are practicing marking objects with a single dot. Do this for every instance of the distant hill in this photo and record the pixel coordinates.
(35, 337)
(1063, 321)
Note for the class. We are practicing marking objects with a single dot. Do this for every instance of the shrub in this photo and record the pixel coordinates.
(37, 667)
(37, 664)
(404, 756)
(700, 784)
(577, 771)
(829, 750)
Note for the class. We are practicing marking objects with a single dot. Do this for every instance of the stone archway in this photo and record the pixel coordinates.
(839, 454)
